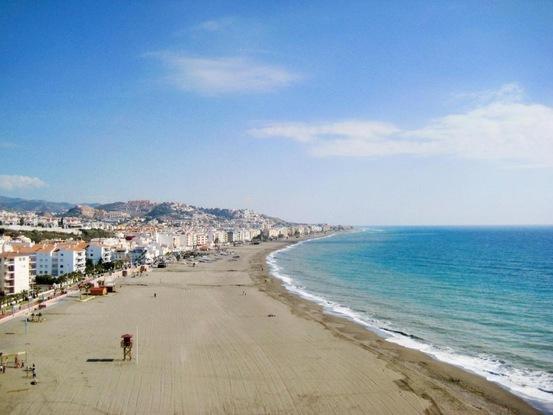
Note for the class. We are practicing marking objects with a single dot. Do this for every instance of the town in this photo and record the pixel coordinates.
(39, 250)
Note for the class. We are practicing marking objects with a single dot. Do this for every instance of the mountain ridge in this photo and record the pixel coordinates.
(146, 209)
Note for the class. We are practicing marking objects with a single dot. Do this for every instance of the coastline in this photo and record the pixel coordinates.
(440, 381)
(204, 346)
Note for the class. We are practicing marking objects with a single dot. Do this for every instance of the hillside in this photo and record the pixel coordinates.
(145, 209)
(24, 205)
(83, 211)
(133, 207)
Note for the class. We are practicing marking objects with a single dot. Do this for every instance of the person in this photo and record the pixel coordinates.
(155, 295)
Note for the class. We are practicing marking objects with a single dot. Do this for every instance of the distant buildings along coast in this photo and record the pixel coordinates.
(139, 232)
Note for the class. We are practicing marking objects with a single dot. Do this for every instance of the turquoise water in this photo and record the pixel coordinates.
(480, 298)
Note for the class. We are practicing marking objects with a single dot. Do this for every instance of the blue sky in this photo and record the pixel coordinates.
(366, 113)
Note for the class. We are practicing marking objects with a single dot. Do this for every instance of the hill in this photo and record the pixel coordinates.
(24, 205)
(145, 209)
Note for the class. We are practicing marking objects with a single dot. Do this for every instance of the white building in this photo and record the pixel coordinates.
(15, 273)
(141, 255)
(274, 232)
(96, 252)
(45, 259)
(71, 258)
(120, 254)
(167, 239)
(217, 237)
(60, 259)
(201, 239)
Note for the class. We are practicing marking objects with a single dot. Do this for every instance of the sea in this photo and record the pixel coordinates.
(476, 297)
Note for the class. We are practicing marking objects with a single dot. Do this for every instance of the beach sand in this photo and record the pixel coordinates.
(203, 347)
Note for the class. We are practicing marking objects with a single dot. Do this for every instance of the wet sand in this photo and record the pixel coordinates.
(203, 347)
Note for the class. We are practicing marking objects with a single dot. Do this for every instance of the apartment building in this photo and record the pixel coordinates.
(45, 259)
(60, 259)
(97, 251)
(200, 239)
(70, 258)
(15, 273)
(120, 254)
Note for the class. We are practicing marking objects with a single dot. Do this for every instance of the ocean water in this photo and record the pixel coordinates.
(476, 297)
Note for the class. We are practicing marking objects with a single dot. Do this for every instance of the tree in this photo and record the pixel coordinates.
(118, 264)
(89, 267)
(44, 280)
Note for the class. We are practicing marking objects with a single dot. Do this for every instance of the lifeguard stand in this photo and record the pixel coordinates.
(126, 345)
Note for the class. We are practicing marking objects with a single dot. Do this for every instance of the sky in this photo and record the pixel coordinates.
(362, 113)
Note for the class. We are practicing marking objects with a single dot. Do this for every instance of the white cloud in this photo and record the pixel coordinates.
(504, 129)
(507, 131)
(314, 132)
(12, 182)
(215, 25)
(214, 76)
(511, 92)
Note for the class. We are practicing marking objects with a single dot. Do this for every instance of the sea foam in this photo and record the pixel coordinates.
(532, 385)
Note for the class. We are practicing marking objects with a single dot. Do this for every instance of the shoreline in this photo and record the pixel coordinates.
(454, 378)
(225, 337)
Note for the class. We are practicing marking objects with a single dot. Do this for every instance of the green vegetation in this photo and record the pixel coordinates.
(39, 236)
(89, 234)
(62, 279)
(17, 298)
(102, 267)
(262, 237)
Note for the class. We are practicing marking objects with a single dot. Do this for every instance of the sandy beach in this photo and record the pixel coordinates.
(226, 338)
